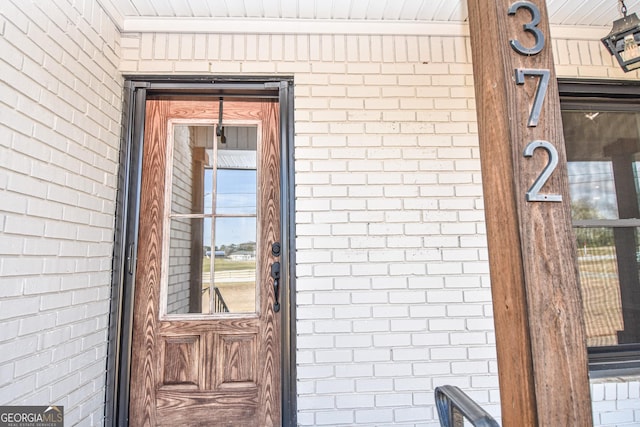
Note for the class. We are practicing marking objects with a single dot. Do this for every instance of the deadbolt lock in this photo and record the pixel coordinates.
(275, 249)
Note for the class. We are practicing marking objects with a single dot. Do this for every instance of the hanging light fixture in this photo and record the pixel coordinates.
(623, 41)
(220, 128)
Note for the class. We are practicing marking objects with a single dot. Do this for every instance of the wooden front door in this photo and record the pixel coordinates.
(206, 329)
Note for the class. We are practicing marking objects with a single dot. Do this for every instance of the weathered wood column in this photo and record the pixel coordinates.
(542, 360)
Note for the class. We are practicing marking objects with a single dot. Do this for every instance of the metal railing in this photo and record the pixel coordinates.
(219, 306)
(454, 406)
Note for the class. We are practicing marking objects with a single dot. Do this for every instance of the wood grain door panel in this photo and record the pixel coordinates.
(210, 409)
(238, 357)
(179, 362)
(197, 370)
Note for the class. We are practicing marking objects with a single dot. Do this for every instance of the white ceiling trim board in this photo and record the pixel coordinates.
(579, 32)
(292, 26)
(333, 26)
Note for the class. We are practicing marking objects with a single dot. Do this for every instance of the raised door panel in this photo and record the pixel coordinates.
(180, 362)
(236, 364)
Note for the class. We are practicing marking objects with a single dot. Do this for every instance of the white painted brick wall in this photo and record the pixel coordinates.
(389, 207)
(393, 290)
(181, 202)
(587, 59)
(60, 103)
(393, 287)
(616, 402)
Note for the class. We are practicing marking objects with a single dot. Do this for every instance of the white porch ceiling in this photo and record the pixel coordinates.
(158, 15)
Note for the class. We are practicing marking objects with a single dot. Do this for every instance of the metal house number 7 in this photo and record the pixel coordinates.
(533, 194)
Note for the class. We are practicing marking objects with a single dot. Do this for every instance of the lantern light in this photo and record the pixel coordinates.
(623, 41)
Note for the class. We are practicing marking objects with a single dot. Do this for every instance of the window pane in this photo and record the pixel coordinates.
(192, 155)
(189, 266)
(212, 250)
(603, 163)
(236, 192)
(593, 194)
(205, 279)
(236, 183)
(235, 265)
(600, 285)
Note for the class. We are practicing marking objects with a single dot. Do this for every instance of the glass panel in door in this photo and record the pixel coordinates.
(213, 221)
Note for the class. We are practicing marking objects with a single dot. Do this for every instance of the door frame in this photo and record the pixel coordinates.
(137, 89)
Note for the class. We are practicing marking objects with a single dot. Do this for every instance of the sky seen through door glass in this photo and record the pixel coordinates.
(236, 195)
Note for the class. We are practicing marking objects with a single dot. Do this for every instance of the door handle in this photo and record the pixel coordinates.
(275, 273)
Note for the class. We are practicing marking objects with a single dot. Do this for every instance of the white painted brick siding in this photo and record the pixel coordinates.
(60, 109)
(181, 202)
(387, 185)
(393, 290)
(616, 402)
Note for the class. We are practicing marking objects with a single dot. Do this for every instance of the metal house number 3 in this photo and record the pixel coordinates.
(533, 194)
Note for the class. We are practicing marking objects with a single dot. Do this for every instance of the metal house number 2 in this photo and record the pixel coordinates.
(533, 194)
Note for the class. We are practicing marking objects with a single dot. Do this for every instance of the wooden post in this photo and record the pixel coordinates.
(540, 335)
